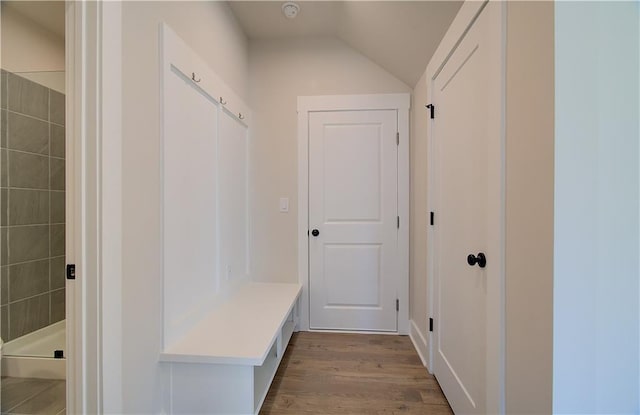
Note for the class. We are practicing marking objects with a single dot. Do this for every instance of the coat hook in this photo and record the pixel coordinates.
(193, 77)
(240, 116)
(222, 101)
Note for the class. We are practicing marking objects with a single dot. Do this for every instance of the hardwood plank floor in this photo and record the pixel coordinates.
(329, 373)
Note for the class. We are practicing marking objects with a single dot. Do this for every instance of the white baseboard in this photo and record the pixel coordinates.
(420, 343)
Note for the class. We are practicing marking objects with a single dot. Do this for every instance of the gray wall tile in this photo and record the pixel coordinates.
(3, 129)
(57, 174)
(27, 97)
(28, 279)
(57, 240)
(4, 325)
(57, 272)
(4, 285)
(57, 141)
(28, 315)
(4, 204)
(28, 207)
(32, 125)
(3, 89)
(4, 168)
(57, 207)
(27, 134)
(28, 170)
(57, 305)
(28, 243)
(57, 107)
(4, 244)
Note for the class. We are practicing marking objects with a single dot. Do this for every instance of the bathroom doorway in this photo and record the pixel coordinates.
(32, 207)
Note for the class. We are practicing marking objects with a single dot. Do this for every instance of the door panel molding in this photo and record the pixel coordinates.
(307, 104)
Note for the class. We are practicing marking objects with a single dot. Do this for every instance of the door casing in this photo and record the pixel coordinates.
(307, 104)
(495, 312)
(93, 60)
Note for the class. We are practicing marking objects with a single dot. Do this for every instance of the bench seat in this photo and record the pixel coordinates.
(241, 331)
(226, 362)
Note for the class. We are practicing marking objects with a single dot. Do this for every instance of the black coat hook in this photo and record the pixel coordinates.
(193, 77)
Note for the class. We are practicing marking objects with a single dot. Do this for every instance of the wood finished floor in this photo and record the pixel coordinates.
(327, 373)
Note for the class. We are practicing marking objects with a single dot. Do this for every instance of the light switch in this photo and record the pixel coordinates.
(284, 204)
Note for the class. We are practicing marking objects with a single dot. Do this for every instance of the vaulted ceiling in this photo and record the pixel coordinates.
(48, 14)
(400, 36)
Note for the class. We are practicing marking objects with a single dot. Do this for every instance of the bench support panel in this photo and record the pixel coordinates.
(197, 388)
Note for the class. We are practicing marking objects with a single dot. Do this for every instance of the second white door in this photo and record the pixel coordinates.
(353, 220)
(467, 148)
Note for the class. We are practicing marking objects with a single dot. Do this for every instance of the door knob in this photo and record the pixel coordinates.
(481, 260)
(315, 232)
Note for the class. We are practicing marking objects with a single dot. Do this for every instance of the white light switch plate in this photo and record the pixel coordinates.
(284, 204)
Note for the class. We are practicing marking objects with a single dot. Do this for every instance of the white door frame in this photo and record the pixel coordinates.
(399, 102)
(495, 329)
(93, 200)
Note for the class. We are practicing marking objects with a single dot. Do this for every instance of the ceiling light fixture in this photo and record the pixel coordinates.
(290, 10)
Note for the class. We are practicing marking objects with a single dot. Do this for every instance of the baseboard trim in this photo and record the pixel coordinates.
(419, 342)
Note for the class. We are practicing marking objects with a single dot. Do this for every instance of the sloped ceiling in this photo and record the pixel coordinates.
(400, 36)
(48, 14)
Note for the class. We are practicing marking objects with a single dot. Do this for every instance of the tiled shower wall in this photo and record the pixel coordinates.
(32, 182)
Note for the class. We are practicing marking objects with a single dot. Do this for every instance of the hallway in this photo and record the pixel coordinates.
(327, 373)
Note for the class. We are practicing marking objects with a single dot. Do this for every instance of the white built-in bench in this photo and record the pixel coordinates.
(226, 362)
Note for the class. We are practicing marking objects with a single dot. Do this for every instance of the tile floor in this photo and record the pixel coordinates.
(32, 396)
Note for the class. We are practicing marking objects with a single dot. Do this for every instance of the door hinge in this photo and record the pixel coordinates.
(398, 222)
(432, 110)
(431, 218)
(71, 271)
(397, 138)
(430, 324)
(397, 305)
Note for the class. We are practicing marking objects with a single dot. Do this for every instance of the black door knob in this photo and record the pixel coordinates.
(315, 232)
(481, 260)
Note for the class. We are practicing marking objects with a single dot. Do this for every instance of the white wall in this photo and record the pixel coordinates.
(212, 31)
(419, 215)
(280, 71)
(596, 208)
(28, 47)
(32, 50)
(529, 207)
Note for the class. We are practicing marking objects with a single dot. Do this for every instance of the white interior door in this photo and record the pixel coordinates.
(353, 208)
(464, 130)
